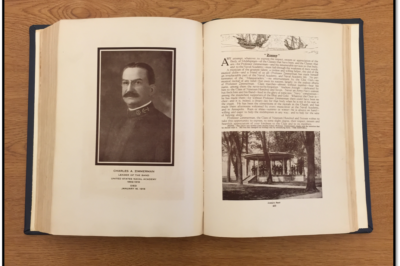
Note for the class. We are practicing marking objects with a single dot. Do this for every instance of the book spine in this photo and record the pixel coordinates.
(30, 130)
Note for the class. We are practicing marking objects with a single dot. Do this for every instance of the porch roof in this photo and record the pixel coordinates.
(272, 156)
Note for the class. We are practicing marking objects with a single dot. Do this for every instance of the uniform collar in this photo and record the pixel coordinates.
(140, 111)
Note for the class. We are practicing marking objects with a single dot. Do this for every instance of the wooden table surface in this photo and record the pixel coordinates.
(359, 249)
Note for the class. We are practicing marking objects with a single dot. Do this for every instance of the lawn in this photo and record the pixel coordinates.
(236, 192)
(318, 183)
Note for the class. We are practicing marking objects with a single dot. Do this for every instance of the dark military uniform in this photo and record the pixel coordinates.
(253, 169)
(144, 135)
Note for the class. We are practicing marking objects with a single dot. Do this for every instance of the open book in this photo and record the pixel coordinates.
(164, 127)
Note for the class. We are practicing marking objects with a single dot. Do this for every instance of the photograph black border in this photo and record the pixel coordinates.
(172, 163)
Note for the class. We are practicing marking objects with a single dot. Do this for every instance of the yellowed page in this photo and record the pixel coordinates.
(151, 188)
(325, 212)
(358, 130)
(35, 128)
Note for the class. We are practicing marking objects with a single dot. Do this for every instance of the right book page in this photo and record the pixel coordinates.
(274, 129)
(359, 168)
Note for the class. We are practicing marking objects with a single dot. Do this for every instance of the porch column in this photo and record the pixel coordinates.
(290, 166)
(247, 167)
(273, 171)
(270, 165)
(284, 167)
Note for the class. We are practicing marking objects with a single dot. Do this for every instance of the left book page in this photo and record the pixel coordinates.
(128, 143)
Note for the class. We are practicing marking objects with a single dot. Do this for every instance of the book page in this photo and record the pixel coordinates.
(35, 129)
(358, 129)
(129, 128)
(275, 135)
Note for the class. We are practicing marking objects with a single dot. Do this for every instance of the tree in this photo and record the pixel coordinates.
(288, 141)
(247, 141)
(234, 158)
(238, 141)
(228, 147)
(317, 150)
(310, 147)
(300, 165)
(264, 146)
(234, 143)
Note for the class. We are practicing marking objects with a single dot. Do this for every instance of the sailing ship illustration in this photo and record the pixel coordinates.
(293, 43)
(246, 41)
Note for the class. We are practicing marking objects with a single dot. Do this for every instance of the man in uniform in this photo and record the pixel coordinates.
(254, 169)
(143, 134)
(262, 170)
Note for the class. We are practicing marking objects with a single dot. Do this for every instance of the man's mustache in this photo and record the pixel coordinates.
(131, 94)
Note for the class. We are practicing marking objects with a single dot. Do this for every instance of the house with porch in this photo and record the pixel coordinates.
(285, 167)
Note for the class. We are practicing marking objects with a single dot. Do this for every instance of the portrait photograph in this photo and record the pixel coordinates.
(135, 106)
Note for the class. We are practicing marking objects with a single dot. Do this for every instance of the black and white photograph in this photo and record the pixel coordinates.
(270, 165)
(135, 106)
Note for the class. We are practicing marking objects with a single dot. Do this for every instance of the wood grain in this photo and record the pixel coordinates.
(361, 249)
